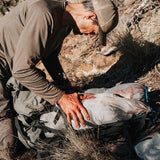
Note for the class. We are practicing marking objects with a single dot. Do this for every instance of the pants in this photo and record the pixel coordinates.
(6, 131)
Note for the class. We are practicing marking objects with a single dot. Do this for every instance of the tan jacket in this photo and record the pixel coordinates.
(32, 31)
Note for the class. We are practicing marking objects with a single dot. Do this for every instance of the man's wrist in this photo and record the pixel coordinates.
(61, 98)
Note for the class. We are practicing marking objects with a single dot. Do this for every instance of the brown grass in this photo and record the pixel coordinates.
(82, 148)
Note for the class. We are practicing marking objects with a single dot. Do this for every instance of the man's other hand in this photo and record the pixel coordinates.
(72, 107)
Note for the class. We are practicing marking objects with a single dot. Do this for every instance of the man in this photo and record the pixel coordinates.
(35, 30)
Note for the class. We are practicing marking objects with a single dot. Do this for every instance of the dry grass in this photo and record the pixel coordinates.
(77, 147)
(82, 147)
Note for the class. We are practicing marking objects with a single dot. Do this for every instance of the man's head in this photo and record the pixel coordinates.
(101, 17)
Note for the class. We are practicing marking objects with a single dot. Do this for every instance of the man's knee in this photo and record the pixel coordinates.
(6, 134)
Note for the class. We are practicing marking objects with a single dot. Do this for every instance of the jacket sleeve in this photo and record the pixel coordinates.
(31, 45)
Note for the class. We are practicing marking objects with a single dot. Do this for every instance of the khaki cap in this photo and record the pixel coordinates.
(107, 15)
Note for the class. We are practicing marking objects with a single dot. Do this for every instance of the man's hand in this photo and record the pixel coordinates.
(72, 107)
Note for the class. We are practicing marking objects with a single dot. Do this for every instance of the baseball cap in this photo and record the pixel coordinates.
(107, 15)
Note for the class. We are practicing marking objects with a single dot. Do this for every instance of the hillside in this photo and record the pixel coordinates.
(132, 54)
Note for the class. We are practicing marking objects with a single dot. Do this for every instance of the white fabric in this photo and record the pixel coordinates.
(106, 108)
(149, 149)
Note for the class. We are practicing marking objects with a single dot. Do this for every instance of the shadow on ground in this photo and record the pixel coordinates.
(136, 60)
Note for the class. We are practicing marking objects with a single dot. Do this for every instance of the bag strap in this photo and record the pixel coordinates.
(18, 127)
(40, 124)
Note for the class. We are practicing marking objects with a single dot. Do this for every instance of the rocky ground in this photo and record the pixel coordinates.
(132, 54)
(136, 44)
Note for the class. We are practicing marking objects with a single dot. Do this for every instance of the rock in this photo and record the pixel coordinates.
(108, 50)
(79, 74)
(86, 67)
(100, 62)
(13, 3)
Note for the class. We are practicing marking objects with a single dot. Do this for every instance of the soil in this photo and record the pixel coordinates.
(135, 58)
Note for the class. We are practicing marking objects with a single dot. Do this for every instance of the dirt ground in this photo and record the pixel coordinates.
(132, 54)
